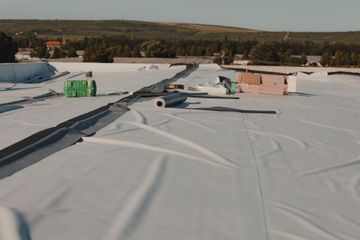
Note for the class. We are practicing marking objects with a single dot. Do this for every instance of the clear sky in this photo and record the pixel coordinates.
(290, 15)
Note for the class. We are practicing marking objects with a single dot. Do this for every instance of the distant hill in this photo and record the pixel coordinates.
(138, 29)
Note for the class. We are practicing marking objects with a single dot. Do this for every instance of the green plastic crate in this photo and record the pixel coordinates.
(234, 87)
(80, 88)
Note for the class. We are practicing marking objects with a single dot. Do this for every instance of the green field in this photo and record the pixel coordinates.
(148, 30)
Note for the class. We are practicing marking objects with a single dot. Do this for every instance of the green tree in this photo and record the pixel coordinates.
(56, 53)
(287, 58)
(157, 48)
(226, 57)
(97, 53)
(304, 59)
(59, 53)
(246, 55)
(354, 58)
(127, 51)
(192, 51)
(210, 50)
(217, 59)
(71, 53)
(8, 48)
(265, 52)
(200, 50)
(347, 59)
(339, 59)
(325, 59)
(136, 52)
(180, 51)
(90, 54)
(40, 51)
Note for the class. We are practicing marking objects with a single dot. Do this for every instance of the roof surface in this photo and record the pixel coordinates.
(177, 173)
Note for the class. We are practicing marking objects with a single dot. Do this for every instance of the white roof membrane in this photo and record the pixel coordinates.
(175, 173)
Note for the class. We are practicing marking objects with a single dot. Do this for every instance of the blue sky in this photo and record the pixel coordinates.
(290, 15)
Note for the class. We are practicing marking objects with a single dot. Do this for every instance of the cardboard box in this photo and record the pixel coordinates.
(249, 78)
(262, 84)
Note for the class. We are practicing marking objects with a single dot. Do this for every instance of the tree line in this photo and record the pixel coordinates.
(105, 48)
(8, 48)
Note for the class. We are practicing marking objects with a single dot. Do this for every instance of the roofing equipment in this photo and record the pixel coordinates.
(174, 86)
(80, 88)
(170, 100)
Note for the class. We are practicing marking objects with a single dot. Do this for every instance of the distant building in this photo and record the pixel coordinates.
(313, 64)
(238, 60)
(314, 58)
(312, 61)
(51, 45)
(24, 54)
(241, 62)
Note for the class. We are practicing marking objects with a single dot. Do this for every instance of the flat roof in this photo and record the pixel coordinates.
(180, 173)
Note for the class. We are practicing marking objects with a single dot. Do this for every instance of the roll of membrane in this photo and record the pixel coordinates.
(170, 100)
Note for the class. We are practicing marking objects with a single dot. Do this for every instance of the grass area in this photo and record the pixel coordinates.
(149, 30)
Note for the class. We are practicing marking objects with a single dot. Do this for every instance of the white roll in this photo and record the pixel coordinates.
(170, 100)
